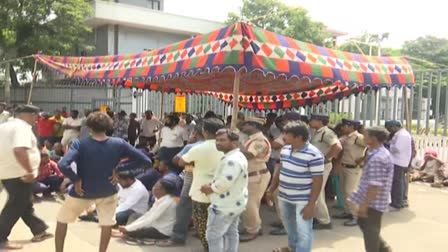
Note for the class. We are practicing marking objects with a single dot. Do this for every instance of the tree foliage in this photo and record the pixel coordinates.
(429, 51)
(278, 17)
(47, 26)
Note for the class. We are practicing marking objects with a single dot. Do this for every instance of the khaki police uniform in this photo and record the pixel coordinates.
(353, 151)
(324, 138)
(259, 178)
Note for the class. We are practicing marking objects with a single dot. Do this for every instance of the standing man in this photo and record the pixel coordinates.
(121, 125)
(150, 125)
(351, 163)
(72, 128)
(373, 193)
(58, 130)
(45, 128)
(184, 208)
(96, 158)
(4, 114)
(328, 143)
(19, 160)
(228, 194)
(257, 150)
(299, 176)
(205, 158)
(133, 129)
(400, 147)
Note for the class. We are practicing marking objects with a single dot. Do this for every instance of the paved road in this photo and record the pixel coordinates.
(422, 227)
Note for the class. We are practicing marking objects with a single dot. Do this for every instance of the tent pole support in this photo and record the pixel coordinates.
(33, 81)
(236, 92)
(406, 108)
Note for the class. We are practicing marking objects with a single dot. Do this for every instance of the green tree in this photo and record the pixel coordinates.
(368, 44)
(278, 17)
(427, 52)
(47, 26)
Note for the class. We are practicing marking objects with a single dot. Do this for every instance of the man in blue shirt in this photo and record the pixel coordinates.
(299, 177)
(96, 158)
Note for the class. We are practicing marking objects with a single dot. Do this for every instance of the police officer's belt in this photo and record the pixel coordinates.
(350, 166)
(260, 172)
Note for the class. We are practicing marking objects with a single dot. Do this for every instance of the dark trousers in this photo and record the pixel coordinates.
(184, 211)
(123, 217)
(19, 205)
(397, 187)
(53, 183)
(147, 233)
(167, 155)
(405, 187)
(371, 229)
(132, 140)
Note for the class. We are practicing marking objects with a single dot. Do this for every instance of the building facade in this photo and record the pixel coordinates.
(132, 26)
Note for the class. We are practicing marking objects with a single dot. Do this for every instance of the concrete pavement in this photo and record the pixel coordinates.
(422, 227)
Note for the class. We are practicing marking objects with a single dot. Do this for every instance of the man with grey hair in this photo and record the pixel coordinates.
(19, 160)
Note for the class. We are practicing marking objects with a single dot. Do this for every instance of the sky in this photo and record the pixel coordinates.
(404, 20)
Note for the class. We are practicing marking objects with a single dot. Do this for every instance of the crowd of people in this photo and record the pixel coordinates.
(148, 180)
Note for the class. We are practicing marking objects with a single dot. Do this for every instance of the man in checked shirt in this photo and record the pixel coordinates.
(373, 192)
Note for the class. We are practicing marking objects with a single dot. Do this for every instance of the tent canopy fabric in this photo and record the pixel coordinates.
(271, 64)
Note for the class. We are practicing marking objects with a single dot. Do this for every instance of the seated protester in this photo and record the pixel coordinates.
(149, 178)
(432, 170)
(47, 147)
(49, 178)
(132, 197)
(171, 176)
(158, 222)
(57, 152)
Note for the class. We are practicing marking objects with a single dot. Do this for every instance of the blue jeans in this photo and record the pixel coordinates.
(222, 229)
(300, 231)
(122, 217)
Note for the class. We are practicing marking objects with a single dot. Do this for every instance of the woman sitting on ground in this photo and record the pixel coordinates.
(158, 222)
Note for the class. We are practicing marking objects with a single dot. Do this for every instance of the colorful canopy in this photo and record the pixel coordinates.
(273, 64)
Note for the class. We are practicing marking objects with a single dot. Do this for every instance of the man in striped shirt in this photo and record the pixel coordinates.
(299, 178)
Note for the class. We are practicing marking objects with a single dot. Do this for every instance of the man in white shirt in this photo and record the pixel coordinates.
(400, 147)
(19, 161)
(72, 128)
(133, 198)
(4, 115)
(205, 157)
(158, 222)
(228, 194)
(173, 137)
(149, 127)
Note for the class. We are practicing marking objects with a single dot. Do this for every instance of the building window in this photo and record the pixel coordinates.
(155, 4)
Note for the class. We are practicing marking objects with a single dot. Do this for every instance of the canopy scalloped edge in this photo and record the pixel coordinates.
(241, 48)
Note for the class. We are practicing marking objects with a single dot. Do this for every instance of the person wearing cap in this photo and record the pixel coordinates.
(121, 125)
(351, 161)
(257, 150)
(72, 128)
(4, 114)
(328, 143)
(400, 147)
(19, 161)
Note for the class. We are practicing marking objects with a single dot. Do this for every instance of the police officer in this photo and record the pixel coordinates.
(328, 143)
(257, 150)
(351, 161)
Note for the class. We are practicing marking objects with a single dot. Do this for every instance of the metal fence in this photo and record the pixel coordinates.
(427, 102)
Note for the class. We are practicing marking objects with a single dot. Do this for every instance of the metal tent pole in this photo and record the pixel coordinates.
(236, 92)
